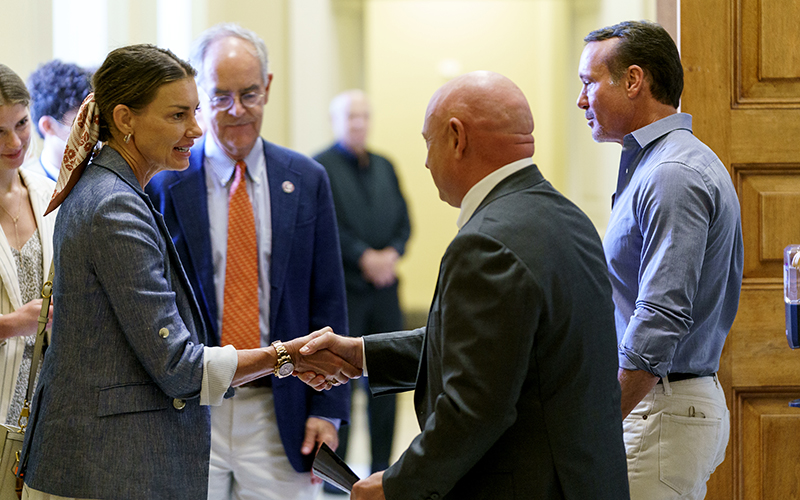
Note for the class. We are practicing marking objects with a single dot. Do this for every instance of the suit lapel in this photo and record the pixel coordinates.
(200, 329)
(191, 211)
(285, 188)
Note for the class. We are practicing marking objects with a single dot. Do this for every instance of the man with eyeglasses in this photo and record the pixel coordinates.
(255, 229)
(57, 91)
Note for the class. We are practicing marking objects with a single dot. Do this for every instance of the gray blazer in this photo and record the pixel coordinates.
(116, 413)
(516, 372)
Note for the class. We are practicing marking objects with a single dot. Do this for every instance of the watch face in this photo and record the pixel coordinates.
(286, 369)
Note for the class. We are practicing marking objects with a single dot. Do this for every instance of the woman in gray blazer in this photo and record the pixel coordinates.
(121, 409)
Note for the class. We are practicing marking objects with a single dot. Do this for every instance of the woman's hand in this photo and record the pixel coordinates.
(324, 359)
(329, 367)
(24, 321)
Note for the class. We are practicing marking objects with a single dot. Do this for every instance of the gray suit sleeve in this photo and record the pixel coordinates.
(393, 360)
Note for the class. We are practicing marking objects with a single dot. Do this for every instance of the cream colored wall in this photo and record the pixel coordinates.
(270, 19)
(400, 51)
(415, 46)
(26, 37)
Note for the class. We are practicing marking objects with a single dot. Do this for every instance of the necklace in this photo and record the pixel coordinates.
(15, 219)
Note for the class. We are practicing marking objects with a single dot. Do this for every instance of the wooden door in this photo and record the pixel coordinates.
(742, 65)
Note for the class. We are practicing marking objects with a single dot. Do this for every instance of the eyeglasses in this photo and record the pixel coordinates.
(224, 102)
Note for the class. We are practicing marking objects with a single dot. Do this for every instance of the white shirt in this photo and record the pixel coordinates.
(482, 188)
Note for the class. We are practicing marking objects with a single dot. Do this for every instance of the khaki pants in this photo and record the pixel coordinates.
(248, 461)
(675, 438)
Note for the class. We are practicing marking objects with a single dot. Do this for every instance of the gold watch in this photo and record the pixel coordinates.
(284, 366)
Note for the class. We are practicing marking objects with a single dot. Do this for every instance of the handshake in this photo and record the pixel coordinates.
(323, 359)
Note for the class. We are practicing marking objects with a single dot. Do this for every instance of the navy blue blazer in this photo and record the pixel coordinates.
(306, 277)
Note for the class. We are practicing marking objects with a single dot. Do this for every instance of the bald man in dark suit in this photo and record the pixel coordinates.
(515, 372)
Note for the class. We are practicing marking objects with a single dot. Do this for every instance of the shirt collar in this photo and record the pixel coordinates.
(660, 128)
(483, 187)
(51, 171)
(634, 143)
(223, 165)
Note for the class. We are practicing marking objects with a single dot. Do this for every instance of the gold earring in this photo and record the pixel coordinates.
(127, 138)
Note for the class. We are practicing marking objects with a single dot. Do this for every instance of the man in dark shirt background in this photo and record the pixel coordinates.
(373, 229)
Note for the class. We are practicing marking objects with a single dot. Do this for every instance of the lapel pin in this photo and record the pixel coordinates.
(288, 187)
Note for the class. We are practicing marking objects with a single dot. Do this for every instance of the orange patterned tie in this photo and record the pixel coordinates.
(240, 325)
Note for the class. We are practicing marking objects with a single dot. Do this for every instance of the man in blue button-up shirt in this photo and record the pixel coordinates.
(674, 253)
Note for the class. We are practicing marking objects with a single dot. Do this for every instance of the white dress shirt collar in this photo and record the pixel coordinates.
(479, 191)
(222, 165)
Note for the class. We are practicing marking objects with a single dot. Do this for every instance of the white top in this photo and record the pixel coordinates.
(478, 192)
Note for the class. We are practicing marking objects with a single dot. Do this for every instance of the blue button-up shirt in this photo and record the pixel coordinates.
(674, 251)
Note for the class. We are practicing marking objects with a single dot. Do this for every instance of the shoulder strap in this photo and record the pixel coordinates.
(47, 292)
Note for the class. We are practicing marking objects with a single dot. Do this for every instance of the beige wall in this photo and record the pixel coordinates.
(400, 51)
(270, 19)
(414, 46)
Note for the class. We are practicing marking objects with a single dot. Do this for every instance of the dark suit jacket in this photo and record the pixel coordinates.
(370, 209)
(116, 413)
(516, 372)
(306, 278)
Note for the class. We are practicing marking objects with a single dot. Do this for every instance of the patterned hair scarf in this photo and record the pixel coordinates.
(82, 139)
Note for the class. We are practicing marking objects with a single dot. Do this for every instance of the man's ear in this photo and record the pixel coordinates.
(46, 125)
(635, 80)
(266, 88)
(123, 119)
(458, 137)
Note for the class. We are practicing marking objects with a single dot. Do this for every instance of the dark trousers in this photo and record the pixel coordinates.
(374, 311)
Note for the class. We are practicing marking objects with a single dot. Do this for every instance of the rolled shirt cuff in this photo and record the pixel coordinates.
(630, 360)
(219, 367)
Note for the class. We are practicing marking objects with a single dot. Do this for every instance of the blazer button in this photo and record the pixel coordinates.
(179, 404)
(164, 332)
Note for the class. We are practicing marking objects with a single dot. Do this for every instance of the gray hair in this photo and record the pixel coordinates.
(341, 100)
(224, 30)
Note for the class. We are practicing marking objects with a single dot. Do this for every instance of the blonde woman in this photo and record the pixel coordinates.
(26, 246)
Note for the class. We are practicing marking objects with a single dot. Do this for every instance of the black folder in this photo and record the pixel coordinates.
(328, 466)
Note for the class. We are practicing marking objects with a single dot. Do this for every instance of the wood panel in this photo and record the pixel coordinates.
(765, 421)
(767, 39)
(779, 30)
(763, 135)
(757, 342)
(769, 194)
(742, 86)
